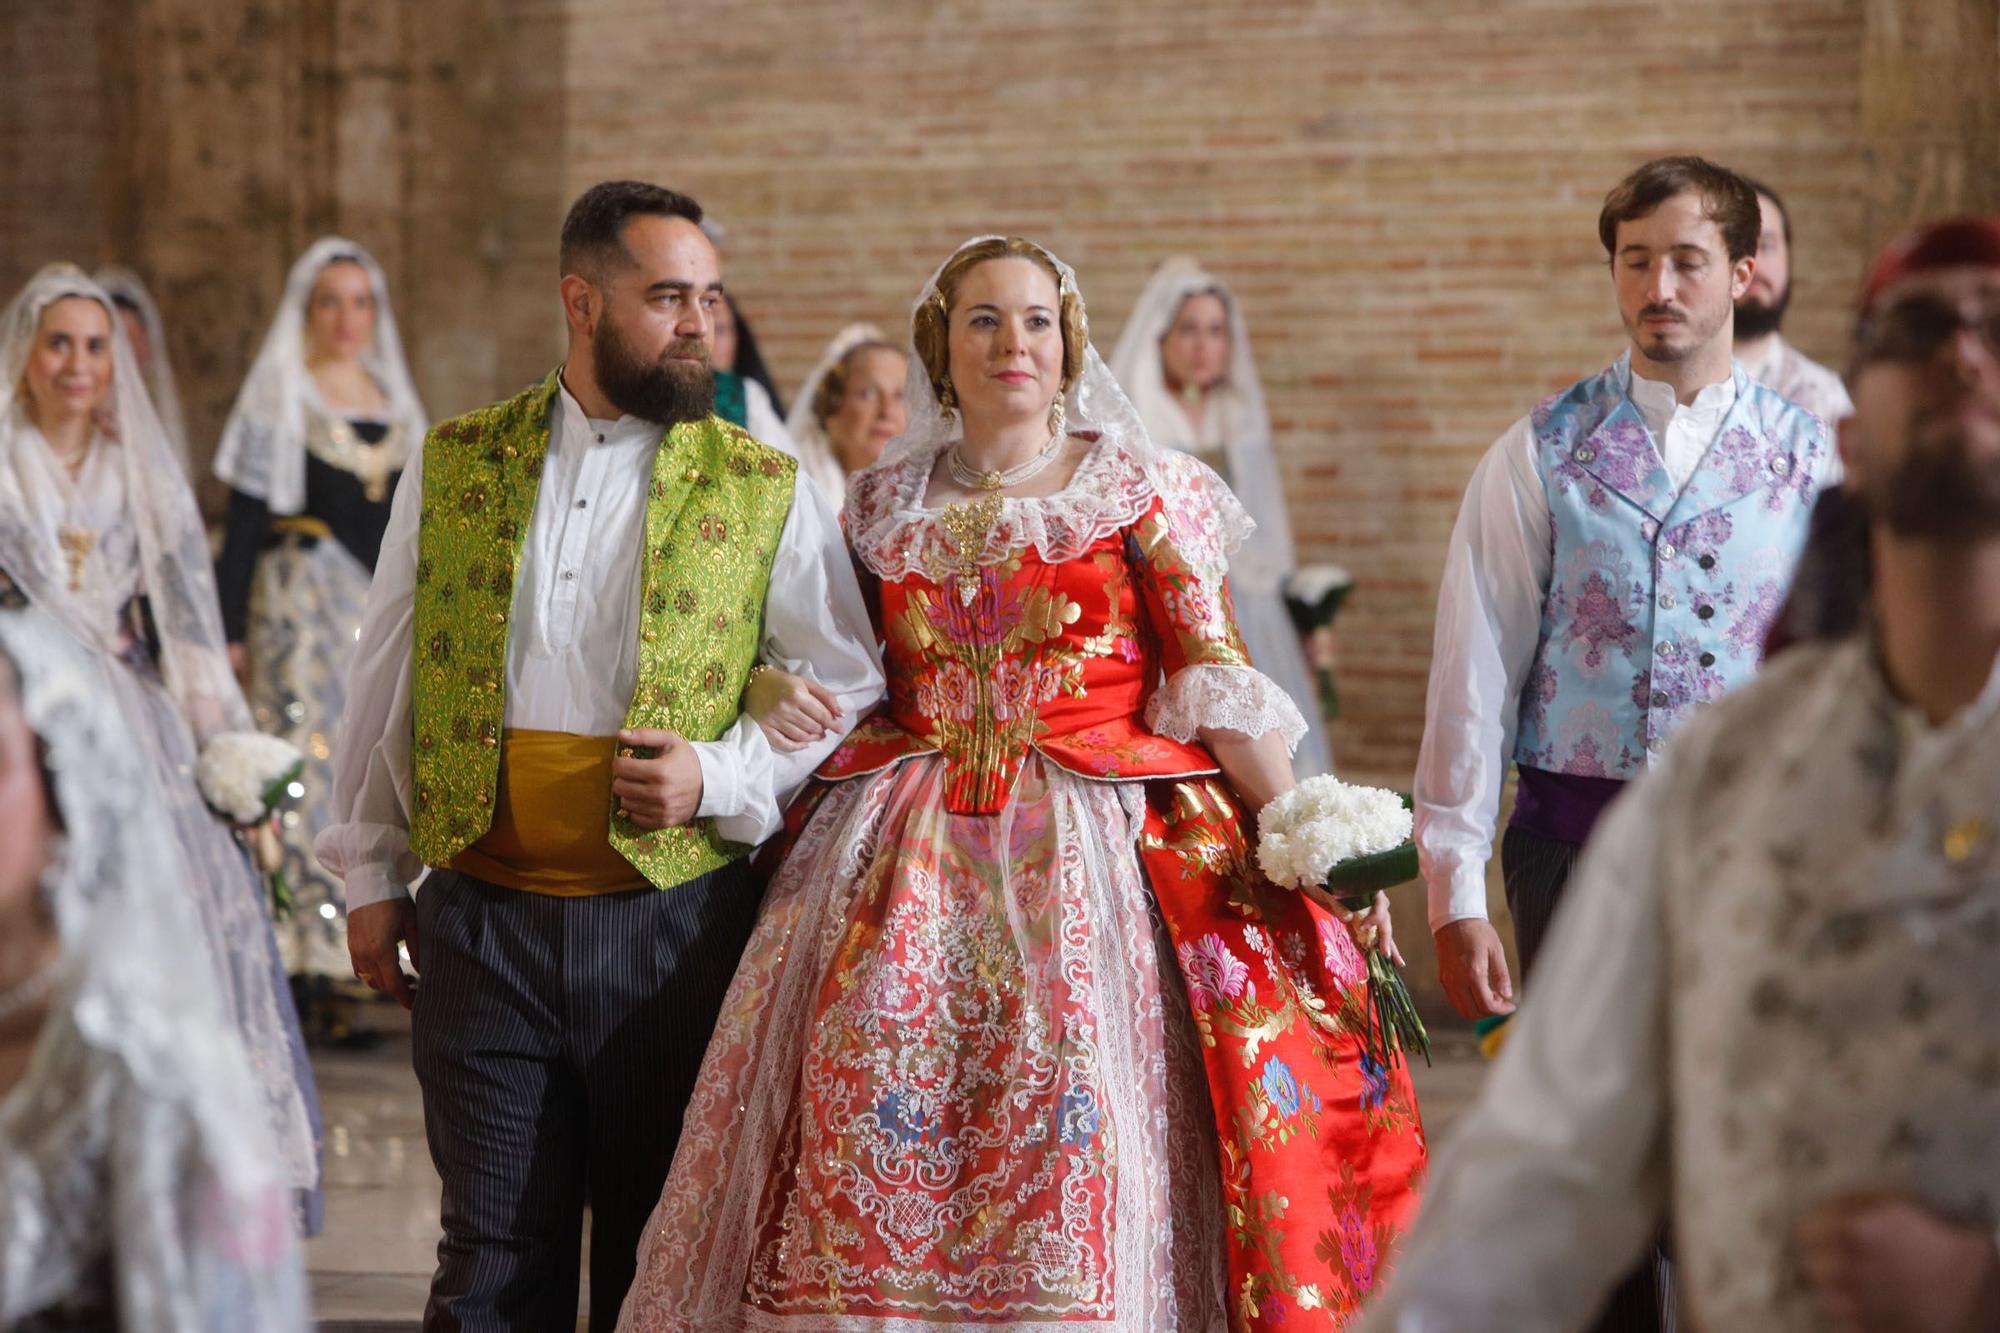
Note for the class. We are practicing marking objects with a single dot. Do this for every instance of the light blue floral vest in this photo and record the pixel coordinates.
(1657, 603)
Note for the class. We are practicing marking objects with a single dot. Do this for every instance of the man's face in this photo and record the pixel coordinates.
(1923, 447)
(1762, 308)
(650, 341)
(1676, 285)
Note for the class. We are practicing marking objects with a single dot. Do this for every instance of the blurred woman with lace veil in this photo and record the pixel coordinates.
(1185, 361)
(312, 452)
(148, 336)
(961, 1080)
(99, 529)
(142, 1189)
(849, 408)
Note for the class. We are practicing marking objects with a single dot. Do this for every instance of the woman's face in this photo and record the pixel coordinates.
(69, 368)
(1006, 342)
(340, 312)
(1196, 349)
(722, 343)
(26, 829)
(871, 409)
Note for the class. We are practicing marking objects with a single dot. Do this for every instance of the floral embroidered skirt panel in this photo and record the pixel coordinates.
(1066, 1066)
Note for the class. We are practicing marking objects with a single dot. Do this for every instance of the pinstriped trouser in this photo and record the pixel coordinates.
(1536, 870)
(557, 1041)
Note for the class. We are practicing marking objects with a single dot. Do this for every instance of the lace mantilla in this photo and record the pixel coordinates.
(896, 535)
(1227, 698)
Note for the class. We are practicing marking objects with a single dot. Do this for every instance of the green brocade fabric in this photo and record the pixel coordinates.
(717, 504)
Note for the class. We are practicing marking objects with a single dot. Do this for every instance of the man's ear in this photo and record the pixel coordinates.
(1740, 273)
(582, 302)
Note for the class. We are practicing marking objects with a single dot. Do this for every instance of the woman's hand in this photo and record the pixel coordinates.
(1371, 928)
(794, 711)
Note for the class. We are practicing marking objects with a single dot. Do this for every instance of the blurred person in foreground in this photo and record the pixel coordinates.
(1769, 1007)
(141, 1188)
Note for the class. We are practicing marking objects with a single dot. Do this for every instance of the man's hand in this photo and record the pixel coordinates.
(1884, 1263)
(373, 932)
(663, 791)
(1472, 965)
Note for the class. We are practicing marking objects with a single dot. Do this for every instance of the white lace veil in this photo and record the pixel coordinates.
(1246, 425)
(115, 855)
(263, 448)
(175, 572)
(1094, 405)
(815, 449)
(122, 284)
(132, 987)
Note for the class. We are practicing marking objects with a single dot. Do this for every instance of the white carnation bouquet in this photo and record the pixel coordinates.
(1354, 842)
(246, 777)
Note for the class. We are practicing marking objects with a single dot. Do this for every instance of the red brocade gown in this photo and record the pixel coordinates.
(1023, 1039)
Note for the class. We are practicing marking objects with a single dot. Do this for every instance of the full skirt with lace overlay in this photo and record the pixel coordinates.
(963, 1081)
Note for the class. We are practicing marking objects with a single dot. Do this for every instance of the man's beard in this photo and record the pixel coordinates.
(1756, 320)
(1664, 351)
(667, 391)
(1941, 491)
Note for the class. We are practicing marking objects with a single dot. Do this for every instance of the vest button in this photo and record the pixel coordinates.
(1584, 453)
(1781, 465)
(1667, 600)
(1667, 551)
(1660, 699)
(1708, 659)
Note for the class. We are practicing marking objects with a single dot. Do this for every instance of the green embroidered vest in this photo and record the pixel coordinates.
(716, 507)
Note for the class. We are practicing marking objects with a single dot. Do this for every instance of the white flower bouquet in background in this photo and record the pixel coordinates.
(1355, 842)
(1313, 595)
(247, 777)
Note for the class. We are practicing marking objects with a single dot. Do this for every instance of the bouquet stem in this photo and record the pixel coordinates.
(1393, 1024)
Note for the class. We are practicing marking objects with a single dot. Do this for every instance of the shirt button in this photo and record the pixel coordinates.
(1708, 659)
(1660, 699)
(600, 439)
(583, 504)
(1704, 611)
(569, 576)
(1706, 562)
(1668, 601)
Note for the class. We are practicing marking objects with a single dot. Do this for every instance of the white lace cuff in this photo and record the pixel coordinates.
(1227, 698)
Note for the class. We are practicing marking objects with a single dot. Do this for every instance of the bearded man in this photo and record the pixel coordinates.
(575, 586)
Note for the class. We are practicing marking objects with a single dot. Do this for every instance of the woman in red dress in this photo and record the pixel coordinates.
(1023, 1038)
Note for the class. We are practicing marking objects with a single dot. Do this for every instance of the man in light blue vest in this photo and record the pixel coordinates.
(1620, 553)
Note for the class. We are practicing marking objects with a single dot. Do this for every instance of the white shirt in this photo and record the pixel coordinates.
(1797, 378)
(1773, 983)
(1496, 575)
(761, 419)
(572, 646)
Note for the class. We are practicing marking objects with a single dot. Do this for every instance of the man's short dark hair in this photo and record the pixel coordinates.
(1728, 200)
(1784, 214)
(593, 235)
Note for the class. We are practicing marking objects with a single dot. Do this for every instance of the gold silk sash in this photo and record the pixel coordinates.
(549, 821)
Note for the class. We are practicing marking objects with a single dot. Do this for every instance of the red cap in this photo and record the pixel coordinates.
(1949, 244)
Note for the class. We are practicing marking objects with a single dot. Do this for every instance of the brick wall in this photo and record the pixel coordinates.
(1403, 194)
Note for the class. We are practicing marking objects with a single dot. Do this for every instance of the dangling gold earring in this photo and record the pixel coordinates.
(1058, 416)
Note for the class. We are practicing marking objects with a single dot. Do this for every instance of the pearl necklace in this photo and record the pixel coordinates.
(973, 479)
